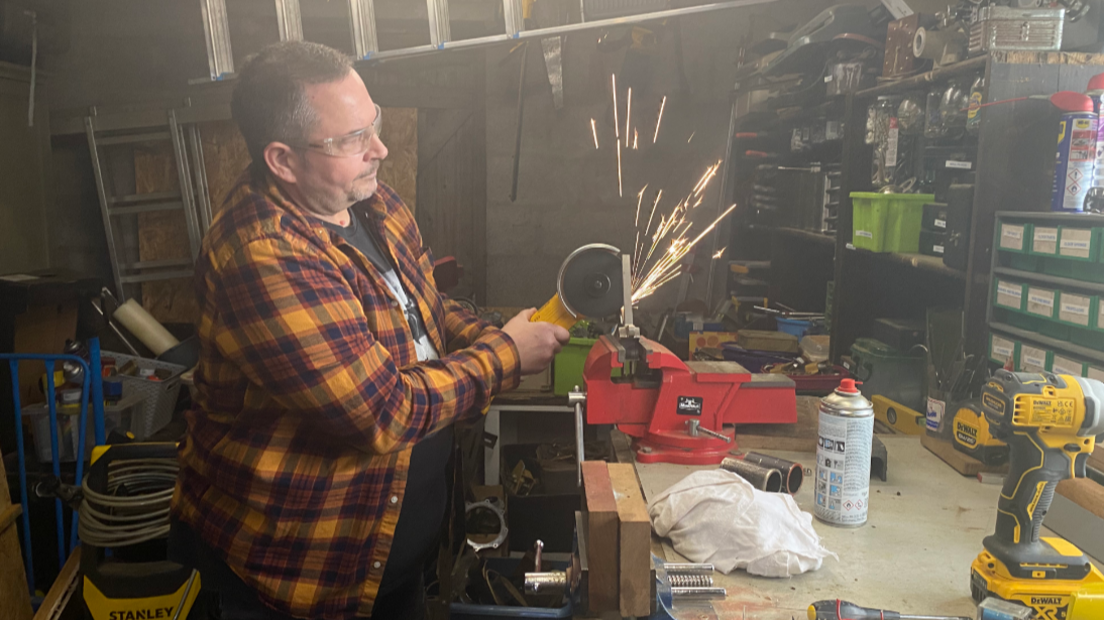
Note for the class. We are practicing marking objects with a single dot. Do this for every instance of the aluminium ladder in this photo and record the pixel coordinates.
(192, 199)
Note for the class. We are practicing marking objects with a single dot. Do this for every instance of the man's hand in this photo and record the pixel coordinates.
(537, 343)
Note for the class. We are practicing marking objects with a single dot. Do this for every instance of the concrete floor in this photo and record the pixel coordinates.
(925, 527)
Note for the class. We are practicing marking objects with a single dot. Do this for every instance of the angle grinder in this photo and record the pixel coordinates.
(589, 285)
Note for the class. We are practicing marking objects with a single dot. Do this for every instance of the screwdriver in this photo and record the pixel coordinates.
(843, 610)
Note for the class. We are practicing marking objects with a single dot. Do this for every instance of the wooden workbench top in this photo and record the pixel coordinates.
(925, 527)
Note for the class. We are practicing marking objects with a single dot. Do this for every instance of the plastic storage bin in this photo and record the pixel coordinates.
(1061, 365)
(888, 372)
(567, 367)
(797, 327)
(1002, 349)
(160, 396)
(888, 222)
(117, 416)
(1008, 294)
(1041, 301)
(1033, 359)
(1076, 309)
(1044, 240)
(1076, 243)
(1013, 237)
(507, 566)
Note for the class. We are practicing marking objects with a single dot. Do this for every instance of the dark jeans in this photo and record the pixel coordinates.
(232, 599)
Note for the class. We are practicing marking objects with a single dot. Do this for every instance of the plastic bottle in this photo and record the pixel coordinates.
(973, 114)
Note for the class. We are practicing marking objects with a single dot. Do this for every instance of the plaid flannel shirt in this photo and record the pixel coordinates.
(310, 397)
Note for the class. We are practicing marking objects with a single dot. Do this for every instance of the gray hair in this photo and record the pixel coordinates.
(270, 102)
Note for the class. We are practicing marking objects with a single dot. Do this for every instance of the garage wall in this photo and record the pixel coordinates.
(134, 51)
(567, 190)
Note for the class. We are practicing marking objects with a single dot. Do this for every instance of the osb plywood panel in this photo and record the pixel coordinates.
(225, 158)
(162, 235)
(400, 169)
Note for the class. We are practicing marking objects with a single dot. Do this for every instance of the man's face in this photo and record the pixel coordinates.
(330, 185)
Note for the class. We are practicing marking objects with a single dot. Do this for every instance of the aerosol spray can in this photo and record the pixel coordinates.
(845, 435)
(1076, 155)
(1094, 201)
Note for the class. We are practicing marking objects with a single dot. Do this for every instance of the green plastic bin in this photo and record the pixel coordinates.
(1002, 348)
(1009, 294)
(1044, 240)
(1078, 243)
(1077, 308)
(1033, 359)
(888, 222)
(1062, 365)
(567, 367)
(1013, 237)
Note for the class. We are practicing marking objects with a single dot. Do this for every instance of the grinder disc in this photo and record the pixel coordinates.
(590, 281)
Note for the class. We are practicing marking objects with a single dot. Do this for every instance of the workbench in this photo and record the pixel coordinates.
(925, 527)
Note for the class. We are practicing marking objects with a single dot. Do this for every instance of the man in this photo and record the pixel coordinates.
(312, 480)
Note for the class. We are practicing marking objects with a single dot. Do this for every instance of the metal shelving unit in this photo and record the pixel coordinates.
(1042, 278)
(1053, 344)
(1014, 159)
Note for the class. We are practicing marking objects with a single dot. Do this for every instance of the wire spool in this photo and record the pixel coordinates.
(762, 478)
(135, 507)
(792, 473)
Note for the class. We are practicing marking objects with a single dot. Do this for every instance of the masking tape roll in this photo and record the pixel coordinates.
(146, 328)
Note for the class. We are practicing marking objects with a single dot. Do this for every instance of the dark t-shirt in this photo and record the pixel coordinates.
(426, 497)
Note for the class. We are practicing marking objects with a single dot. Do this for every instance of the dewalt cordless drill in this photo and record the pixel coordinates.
(1050, 423)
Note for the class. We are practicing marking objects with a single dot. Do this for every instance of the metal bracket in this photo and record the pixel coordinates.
(216, 28)
(362, 23)
(515, 17)
(289, 21)
(577, 399)
(492, 505)
(439, 28)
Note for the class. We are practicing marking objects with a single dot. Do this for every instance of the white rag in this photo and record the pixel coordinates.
(716, 516)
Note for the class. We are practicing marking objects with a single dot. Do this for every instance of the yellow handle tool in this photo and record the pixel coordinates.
(555, 312)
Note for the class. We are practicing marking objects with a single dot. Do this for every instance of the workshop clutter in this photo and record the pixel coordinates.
(716, 516)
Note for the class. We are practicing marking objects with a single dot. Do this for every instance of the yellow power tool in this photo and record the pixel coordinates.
(1050, 423)
(589, 286)
(972, 435)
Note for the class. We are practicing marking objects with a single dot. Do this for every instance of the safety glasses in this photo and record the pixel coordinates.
(350, 144)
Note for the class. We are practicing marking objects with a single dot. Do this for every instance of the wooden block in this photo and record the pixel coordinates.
(62, 590)
(1096, 459)
(15, 598)
(635, 534)
(602, 535)
(1084, 492)
(961, 462)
